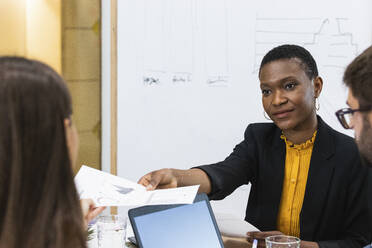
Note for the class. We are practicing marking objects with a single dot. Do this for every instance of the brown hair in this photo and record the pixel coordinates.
(358, 77)
(39, 205)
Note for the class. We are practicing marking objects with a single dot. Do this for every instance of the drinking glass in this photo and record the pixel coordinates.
(282, 241)
(111, 231)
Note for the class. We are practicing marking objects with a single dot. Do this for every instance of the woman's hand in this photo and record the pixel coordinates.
(260, 237)
(90, 211)
(231, 243)
(159, 179)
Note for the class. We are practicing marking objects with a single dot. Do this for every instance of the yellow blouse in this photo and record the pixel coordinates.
(297, 165)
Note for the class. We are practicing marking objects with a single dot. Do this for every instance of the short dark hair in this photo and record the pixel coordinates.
(358, 77)
(39, 204)
(289, 52)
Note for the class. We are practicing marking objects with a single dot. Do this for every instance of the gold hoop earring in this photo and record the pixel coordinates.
(266, 117)
(317, 104)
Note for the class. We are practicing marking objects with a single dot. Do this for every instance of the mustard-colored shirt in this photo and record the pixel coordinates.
(297, 165)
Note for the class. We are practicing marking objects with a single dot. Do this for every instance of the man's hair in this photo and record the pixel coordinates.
(289, 52)
(39, 204)
(358, 77)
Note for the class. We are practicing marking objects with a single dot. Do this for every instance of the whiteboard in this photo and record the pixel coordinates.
(187, 74)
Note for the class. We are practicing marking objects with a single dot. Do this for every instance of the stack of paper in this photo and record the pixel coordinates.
(232, 226)
(109, 190)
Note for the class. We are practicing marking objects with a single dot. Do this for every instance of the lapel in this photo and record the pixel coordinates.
(318, 181)
(273, 174)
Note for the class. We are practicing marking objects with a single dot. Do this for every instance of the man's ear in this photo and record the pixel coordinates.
(318, 86)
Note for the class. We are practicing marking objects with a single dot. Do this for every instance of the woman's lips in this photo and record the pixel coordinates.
(282, 114)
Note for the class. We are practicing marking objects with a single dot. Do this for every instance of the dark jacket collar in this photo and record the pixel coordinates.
(318, 181)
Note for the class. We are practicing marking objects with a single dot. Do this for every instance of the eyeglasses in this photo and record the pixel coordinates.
(344, 115)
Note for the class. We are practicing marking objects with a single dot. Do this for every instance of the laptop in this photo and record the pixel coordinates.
(181, 226)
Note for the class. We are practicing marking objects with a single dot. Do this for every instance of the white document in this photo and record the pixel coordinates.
(232, 226)
(109, 190)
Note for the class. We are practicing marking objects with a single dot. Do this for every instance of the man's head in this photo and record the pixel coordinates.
(358, 78)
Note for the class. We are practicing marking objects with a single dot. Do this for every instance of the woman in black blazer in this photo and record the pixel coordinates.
(333, 210)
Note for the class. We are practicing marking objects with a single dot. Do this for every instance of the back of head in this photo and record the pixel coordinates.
(358, 77)
(39, 206)
(292, 52)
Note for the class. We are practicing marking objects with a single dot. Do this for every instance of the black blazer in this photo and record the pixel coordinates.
(334, 211)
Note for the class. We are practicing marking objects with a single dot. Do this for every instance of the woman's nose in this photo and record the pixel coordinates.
(279, 98)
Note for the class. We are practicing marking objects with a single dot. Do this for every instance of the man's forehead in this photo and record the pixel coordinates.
(351, 100)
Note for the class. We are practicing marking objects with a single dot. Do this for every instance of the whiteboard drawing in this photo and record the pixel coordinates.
(217, 80)
(178, 33)
(168, 42)
(181, 77)
(152, 77)
(215, 42)
(315, 34)
(180, 40)
(154, 37)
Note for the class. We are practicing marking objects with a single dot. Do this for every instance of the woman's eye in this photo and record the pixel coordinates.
(290, 86)
(266, 92)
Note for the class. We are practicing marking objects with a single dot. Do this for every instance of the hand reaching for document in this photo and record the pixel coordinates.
(159, 179)
(90, 211)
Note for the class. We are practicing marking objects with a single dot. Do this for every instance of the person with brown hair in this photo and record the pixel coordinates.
(39, 204)
(358, 79)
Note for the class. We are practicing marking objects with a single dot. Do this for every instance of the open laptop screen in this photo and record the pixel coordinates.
(182, 227)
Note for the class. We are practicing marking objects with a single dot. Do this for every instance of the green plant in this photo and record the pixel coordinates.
(90, 233)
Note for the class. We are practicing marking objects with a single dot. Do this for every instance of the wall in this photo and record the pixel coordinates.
(31, 28)
(12, 26)
(43, 31)
(81, 63)
(66, 35)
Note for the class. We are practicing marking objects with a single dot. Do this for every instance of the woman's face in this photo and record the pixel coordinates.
(288, 95)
